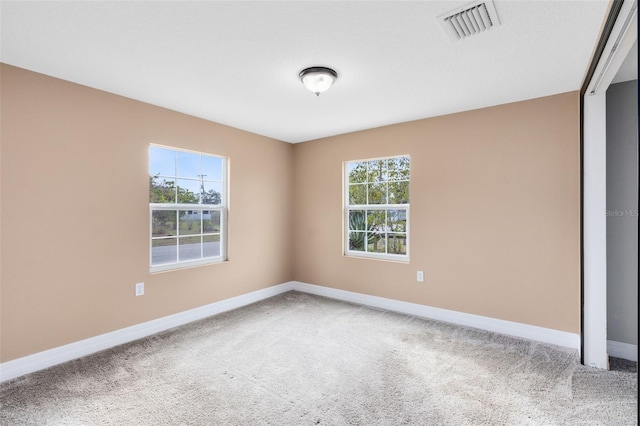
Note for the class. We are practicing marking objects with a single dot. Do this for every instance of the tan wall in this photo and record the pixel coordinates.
(495, 196)
(75, 229)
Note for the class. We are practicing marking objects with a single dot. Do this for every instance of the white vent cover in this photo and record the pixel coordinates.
(469, 20)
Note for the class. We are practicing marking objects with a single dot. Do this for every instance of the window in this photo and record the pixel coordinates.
(377, 208)
(187, 208)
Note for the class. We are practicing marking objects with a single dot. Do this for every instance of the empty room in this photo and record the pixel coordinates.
(318, 212)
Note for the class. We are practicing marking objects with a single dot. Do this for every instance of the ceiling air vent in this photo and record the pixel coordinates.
(469, 20)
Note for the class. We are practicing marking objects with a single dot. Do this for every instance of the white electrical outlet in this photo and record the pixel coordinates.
(139, 289)
(420, 276)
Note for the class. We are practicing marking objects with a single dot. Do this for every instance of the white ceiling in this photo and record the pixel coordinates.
(237, 62)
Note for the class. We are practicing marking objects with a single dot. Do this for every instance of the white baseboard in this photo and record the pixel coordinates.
(622, 350)
(41, 360)
(540, 334)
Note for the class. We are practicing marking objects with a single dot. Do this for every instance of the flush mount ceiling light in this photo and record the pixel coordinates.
(318, 79)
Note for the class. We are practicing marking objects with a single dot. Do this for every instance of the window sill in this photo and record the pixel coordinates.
(385, 258)
(185, 265)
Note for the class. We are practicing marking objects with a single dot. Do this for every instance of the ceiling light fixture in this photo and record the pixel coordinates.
(318, 79)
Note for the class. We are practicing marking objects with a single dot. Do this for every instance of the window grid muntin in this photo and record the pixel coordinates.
(178, 235)
(388, 178)
(187, 207)
(201, 179)
(385, 231)
(367, 182)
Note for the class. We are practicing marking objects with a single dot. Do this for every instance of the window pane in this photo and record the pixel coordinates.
(377, 242)
(211, 246)
(188, 165)
(357, 172)
(186, 233)
(357, 220)
(377, 171)
(212, 193)
(381, 184)
(211, 221)
(356, 240)
(190, 222)
(189, 248)
(162, 162)
(357, 194)
(164, 251)
(377, 193)
(161, 190)
(399, 192)
(188, 191)
(211, 168)
(398, 168)
(163, 223)
(397, 220)
(376, 220)
(397, 243)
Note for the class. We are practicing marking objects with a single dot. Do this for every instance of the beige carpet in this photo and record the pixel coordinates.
(298, 359)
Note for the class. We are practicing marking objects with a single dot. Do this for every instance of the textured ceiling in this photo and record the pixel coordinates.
(237, 63)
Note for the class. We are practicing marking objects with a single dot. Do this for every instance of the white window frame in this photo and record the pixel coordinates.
(347, 208)
(200, 208)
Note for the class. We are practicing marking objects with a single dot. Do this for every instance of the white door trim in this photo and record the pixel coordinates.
(594, 291)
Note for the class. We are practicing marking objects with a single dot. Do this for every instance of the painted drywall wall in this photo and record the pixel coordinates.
(495, 212)
(622, 212)
(75, 213)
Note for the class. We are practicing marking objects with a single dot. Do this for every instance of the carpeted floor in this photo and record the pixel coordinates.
(618, 364)
(298, 359)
